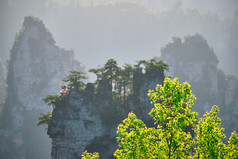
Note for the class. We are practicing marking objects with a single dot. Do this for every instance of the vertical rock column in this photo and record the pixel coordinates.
(35, 69)
(74, 125)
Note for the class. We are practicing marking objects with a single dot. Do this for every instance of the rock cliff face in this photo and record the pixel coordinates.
(2, 83)
(73, 127)
(192, 60)
(35, 69)
(81, 123)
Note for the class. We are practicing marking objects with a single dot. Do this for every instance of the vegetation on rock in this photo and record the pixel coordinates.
(169, 138)
(74, 80)
(176, 133)
(114, 85)
(87, 155)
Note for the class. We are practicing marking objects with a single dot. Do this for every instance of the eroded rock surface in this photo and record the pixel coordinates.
(35, 70)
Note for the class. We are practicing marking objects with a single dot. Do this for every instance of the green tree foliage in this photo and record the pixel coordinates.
(154, 68)
(106, 79)
(87, 155)
(209, 135)
(172, 114)
(108, 72)
(45, 119)
(115, 85)
(126, 77)
(145, 72)
(52, 100)
(209, 138)
(132, 138)
(169, 138)
(114, 80)
(231, 150)
(75, 79)
(111, 70)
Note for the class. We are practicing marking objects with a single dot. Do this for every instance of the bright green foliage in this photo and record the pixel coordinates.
(172, 114)
(132, 136)
(138, 141)
(75, 79)
(87, 155)
(209, 135)
(231, 150)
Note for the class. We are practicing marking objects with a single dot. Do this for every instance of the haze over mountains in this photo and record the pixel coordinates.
(126, 31)
(197, 39)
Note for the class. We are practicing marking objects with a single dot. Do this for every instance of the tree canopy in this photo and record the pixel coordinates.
(75, 79)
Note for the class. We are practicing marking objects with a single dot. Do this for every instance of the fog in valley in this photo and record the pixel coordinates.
(41, 41)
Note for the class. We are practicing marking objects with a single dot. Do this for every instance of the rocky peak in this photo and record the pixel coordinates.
(35, 28)
(36, 69)
(73, 127)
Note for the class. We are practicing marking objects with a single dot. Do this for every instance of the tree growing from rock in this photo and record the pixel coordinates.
(75, 79)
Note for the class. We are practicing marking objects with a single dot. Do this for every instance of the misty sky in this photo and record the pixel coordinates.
(125, 30)
(125, 33)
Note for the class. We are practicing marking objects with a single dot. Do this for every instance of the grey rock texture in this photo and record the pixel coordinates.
(73, 127)
(230, 115)
(78, 125)
(2, 83)
(35, 70)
